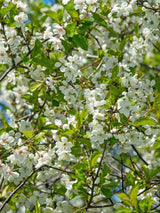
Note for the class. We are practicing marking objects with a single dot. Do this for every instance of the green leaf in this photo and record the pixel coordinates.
(80, 41)
(146, 204)
(55, 102)
(115, 72)
(67, 132)
(42, 60)
(68, 46)
(5, 10)
(76, 150)
(100, 20)
(105, 170)
(124, 210)
(37, 48)
(40, 135)
(70, 9)
(84, 27)
(154, 172)
(136, 29)
(4, 192)
(38, 207)
(71, 29)
(85, 141)
(107, 192)
(114, 90)
(124, 42)
(94, 157)
(144, 121)
(28, 133)
(130, 179)
(81, 117)
(34, 86)
(157, 85)
(125, 198)
(133, 195)
(41, 121)
(52, 15)
(50, 127)
(26, 96)
(156, 105)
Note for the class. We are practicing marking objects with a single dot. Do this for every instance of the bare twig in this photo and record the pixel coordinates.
(123, 164)
(141, 2)
(96, 40)
(1, 181)
(78, 210)
(150, 67)
(94, 178)
(148, 188)
(62, 170)
(102, 206)
(134, 148)
(122, 175)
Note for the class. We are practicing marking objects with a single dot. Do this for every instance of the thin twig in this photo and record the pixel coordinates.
(141, 2)
(25, 117)
(96, 40)
(1, 181)
(94, 178)
(102, 206)
(62, 170)
(144, 190)
(124, 164)
(150, 67)
(134, 148)
(122, 176)
(78, 210)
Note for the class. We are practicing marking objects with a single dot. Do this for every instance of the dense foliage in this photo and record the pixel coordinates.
(80, 86)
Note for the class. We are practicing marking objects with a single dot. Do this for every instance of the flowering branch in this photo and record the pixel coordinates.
(150, 67)
(95, 178)
(18, 187)
(18, 64)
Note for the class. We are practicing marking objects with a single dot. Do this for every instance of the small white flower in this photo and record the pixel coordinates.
(77, 202)
(25, 126)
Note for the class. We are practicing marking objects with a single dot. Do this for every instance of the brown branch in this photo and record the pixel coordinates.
(144, 190)
(134, 166)
(102, 206)
(150, 67)
(134, 148)
(62, 170)
(89, 65)
(122, 175)
(96, 40)
(155, 207)
(78, 210)
(94, 178)
(1, 181)
(141, 2)
(26, 116)
(123, 164)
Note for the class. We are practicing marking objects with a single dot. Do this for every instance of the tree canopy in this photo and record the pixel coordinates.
(80, 100)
